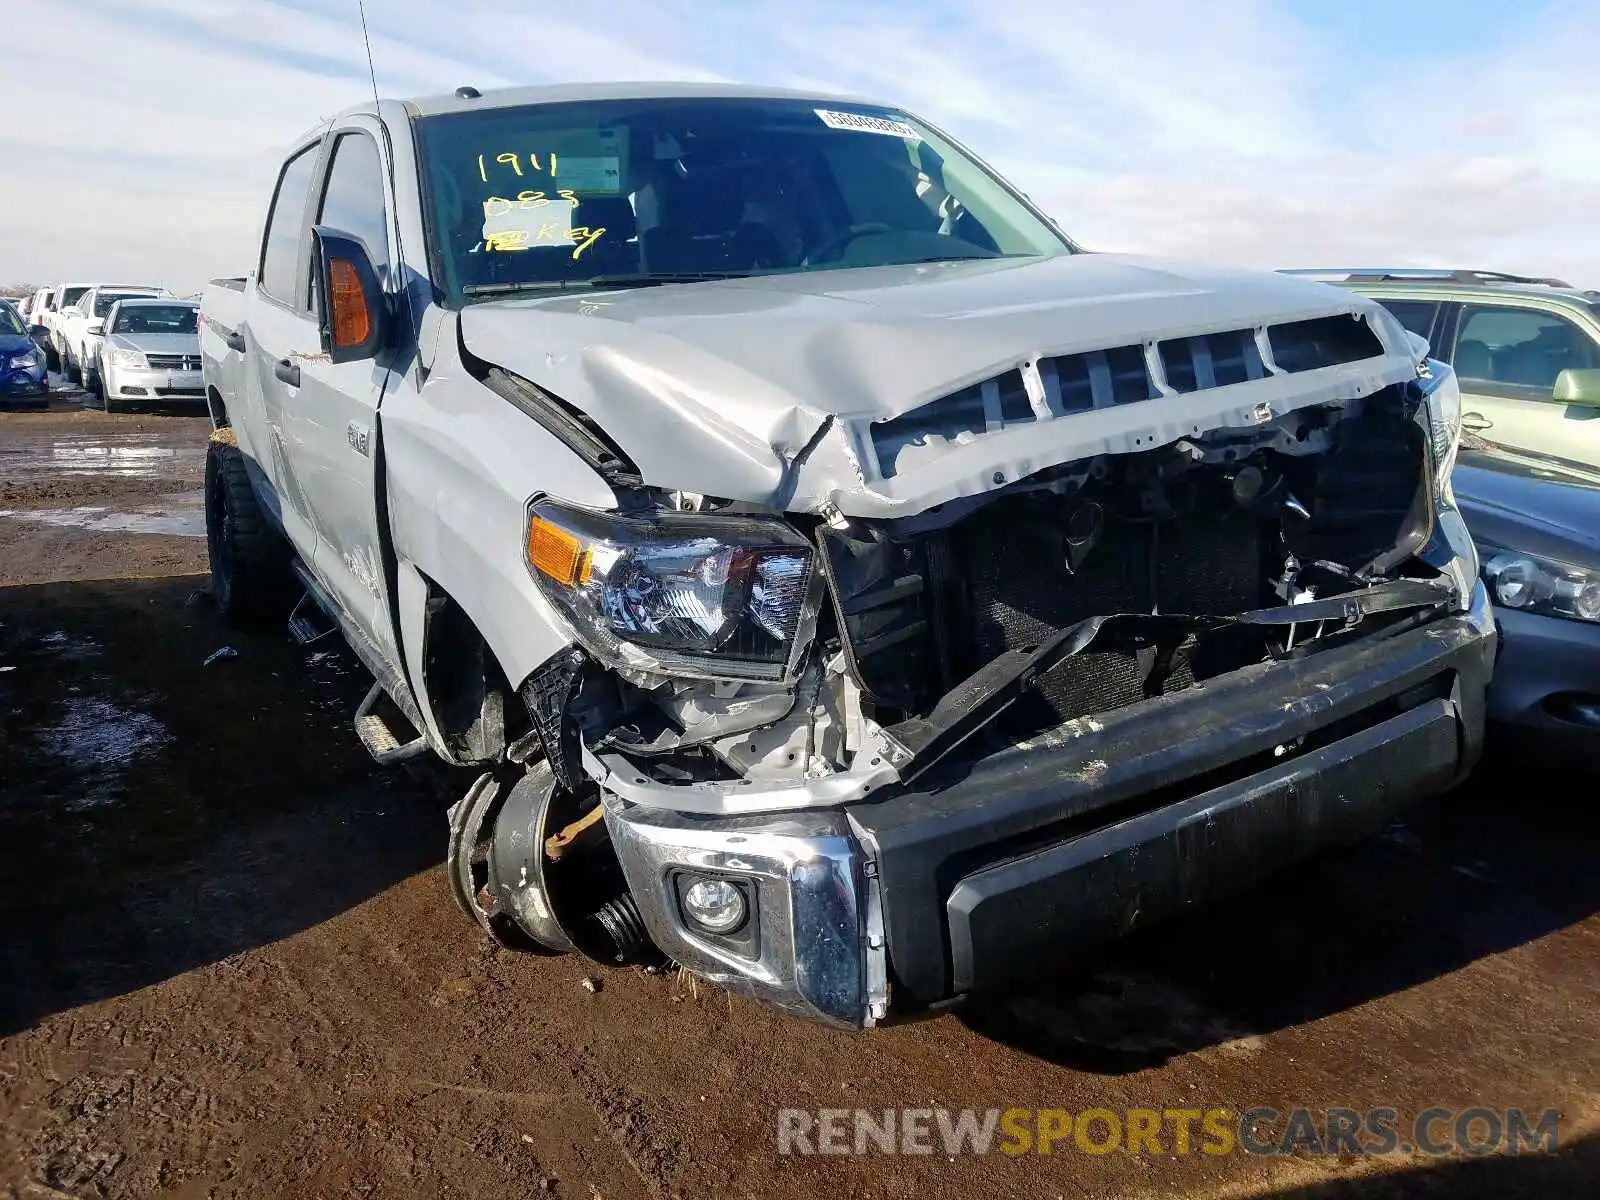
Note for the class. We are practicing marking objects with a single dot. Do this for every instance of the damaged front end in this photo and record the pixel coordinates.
(730, 747)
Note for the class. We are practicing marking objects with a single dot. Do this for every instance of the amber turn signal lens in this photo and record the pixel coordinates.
(352, 323)
(556, 553)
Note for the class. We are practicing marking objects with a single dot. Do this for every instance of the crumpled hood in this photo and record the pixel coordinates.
(766, 389)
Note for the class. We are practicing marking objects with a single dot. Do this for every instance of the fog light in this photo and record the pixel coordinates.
(715, 905)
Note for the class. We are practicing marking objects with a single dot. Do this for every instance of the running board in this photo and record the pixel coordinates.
(307, 624)
(378, 738)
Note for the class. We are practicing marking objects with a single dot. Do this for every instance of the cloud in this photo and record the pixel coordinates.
(1242, 130)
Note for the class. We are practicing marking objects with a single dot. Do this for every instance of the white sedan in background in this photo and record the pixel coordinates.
(151, 353)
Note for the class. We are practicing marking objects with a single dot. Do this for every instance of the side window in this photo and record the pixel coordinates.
(1519, 351)
(1416, 315)
(353, 199)
(280, 249)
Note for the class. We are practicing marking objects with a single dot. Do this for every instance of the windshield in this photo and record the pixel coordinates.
(8, 320)
(157, 318)
(554, 194)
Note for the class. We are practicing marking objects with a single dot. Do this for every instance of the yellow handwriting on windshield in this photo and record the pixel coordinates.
(496, 206)
(550, 233)
(511, 159)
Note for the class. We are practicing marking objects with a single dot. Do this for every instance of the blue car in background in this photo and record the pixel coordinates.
(1536, 522)
(22, 362)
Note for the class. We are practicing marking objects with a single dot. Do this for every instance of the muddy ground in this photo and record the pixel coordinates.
(229, 964)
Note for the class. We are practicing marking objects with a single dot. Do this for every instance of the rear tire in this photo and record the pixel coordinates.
(251, 582)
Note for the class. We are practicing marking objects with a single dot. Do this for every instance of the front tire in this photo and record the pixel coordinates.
(251, 582)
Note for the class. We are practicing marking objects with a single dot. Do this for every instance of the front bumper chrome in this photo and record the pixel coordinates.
(153, 383)
(810, 947)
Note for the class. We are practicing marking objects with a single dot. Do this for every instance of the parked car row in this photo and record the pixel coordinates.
(125, 343)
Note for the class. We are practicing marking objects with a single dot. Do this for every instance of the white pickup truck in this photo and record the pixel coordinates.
(839, 582)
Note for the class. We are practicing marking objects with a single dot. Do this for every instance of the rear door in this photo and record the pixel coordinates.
(332, 418)
(278, 323)
(1507, 356)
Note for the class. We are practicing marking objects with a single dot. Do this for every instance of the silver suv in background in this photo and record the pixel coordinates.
(151, 352)
(1526, 350)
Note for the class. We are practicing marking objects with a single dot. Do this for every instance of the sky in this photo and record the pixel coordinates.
(140, 137)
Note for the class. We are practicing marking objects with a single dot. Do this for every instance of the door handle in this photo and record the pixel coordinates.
(235, 341)
(288, 372)
(1475, 421)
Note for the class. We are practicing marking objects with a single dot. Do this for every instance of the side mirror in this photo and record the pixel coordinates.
(1579, 387)
(350, 299)
(97, 326)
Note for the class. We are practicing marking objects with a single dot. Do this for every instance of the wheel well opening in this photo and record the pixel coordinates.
(219, 410)
(466, 687)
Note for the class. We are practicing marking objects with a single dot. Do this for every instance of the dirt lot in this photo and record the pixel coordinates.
(229, 964)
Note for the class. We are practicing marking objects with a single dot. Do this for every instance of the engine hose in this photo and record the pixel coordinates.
(624, 928)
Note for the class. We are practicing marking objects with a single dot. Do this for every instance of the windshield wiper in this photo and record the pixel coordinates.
(647, 278)
(636, 279)
(940, 258)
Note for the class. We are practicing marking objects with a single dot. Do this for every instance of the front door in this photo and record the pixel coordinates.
(333, 416)
(1507, 358)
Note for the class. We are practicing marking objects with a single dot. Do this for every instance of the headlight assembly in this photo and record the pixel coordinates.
(685, 593)
(1530, 583)
(133, 359)
(1443, 394)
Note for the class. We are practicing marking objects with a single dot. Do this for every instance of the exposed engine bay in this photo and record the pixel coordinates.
(1148, 560)
(988, 623)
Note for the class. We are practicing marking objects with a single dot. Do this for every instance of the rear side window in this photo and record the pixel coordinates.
(1520, 348)
(104, 300)
(353, 199)
(280, 250)
(1416, 315)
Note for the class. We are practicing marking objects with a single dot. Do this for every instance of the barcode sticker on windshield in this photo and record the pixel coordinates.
(862, 123)
(595, 176)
